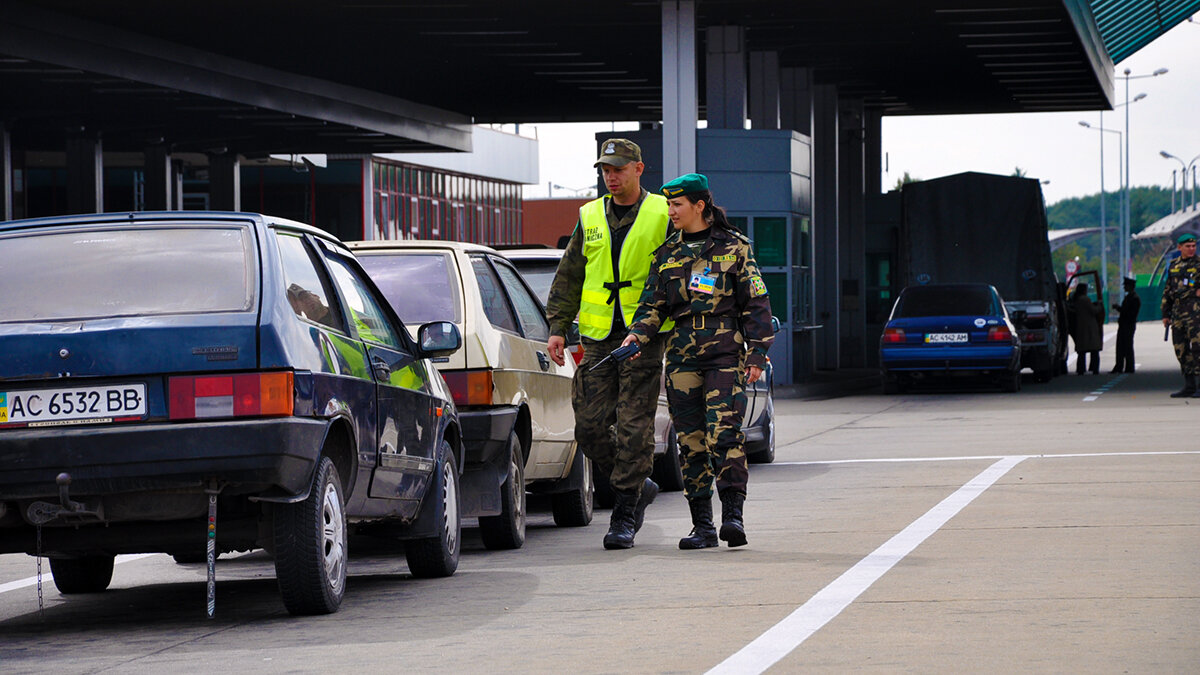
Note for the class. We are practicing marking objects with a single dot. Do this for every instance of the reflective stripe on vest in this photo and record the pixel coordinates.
(648, 232)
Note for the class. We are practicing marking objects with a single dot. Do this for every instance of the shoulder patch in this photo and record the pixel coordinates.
(757, 287)
(730, 257)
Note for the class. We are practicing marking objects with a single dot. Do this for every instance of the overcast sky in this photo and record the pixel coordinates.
(1049, 146)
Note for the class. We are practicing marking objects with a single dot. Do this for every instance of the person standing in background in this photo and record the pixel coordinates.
(1127, 318)
(1181, 311)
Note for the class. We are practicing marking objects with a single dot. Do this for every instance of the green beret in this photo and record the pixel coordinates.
(1183, 238)
(688, 183)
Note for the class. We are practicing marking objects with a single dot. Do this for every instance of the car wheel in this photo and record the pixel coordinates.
(507, 530)
(668, 471)
(1011, 382)
(767, 454)
(437, 556)
(89, 574)
(310, 546)
(575, 508)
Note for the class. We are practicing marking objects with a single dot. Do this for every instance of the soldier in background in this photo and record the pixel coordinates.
(600, 279)
(1127, 318)
(1181, 311)
(706, 279)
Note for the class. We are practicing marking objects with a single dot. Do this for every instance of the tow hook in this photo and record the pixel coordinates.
(67, 510)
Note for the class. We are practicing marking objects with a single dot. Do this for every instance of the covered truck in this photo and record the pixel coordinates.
(983, 228)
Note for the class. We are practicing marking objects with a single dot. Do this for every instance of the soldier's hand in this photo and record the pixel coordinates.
(752, 374)
(630, 339)
(555, 345)
(1166, 321)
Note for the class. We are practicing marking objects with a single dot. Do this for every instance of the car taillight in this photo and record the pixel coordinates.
(470, 387)
(893, 335)
(240, 395)
(1033, 336)
(999, 334)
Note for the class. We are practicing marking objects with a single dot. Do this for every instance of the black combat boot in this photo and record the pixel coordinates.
(732, 530)
(620, 526)
(649, 492)
(1189, 387)
(704, 533)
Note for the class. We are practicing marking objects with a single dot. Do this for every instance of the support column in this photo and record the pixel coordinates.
(680, 105)
(796, 100)
(764, 90)
(725, 80)
(224, 182)
(157, 189)
(85, 174)
(852, 235)
(6, 174)
(826, 279)
(873, 127)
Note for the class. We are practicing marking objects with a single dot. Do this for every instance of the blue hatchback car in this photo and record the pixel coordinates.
(949, 330)
(173, 379)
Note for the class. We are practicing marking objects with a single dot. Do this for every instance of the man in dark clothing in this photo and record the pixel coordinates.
(1126, 325)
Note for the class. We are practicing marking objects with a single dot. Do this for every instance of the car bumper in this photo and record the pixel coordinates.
(948, 359)
(244, 456)
(485, 434)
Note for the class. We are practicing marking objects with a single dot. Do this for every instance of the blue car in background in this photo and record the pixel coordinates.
(949, 330)
(160, 369)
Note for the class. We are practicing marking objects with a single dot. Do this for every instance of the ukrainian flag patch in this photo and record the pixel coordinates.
(757, 287)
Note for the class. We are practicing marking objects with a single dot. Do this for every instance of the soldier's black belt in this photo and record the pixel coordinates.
(708, 322)
(614, 288)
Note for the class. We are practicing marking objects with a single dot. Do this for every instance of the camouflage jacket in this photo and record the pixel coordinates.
(1179, 301)
(738, 296)
(562, 302)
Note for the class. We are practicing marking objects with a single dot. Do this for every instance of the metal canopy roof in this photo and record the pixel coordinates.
(400, 75)
(1127, 26)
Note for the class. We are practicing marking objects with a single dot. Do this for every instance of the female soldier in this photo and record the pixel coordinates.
(706, 279)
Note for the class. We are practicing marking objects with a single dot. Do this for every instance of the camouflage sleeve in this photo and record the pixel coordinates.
(652, 306)
(562, 303)
(755, 310)
(1168, 299)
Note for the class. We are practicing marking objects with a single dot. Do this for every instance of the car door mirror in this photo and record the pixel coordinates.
(776, 324)
(438, 338)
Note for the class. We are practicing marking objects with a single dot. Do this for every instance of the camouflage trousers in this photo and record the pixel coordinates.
(1185, 337)
(707, 407)
(614, 410)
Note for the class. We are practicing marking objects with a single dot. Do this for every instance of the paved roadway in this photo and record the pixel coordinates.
(1054, 530)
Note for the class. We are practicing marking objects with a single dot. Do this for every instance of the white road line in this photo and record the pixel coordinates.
(976, 458)
(47, 577)
(785, 636)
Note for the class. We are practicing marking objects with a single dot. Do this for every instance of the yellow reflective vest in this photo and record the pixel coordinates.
(647, 233)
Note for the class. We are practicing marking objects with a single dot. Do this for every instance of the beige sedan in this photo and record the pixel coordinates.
(514, 402)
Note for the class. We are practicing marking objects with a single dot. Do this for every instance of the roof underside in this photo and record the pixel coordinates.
(402, 75)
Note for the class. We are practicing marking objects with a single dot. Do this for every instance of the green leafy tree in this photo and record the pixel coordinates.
(901, 181)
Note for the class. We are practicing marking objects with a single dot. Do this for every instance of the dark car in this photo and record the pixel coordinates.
(152, 361)
(949, 330)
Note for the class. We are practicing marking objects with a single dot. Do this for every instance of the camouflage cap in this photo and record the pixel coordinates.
(1185, 238)
(618, 152)
(688, 183)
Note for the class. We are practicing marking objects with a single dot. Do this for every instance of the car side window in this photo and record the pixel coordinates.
(307, 293)
(529, 312)
(367, 312)
(495, 304)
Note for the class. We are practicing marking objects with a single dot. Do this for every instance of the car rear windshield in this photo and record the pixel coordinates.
(98, 273)
(539, 274)
(419, 286)
(945, 301)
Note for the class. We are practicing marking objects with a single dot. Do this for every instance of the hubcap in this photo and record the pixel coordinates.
(450, 506)
(333, 540)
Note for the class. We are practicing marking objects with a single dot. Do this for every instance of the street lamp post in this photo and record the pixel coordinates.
(1126, 228)
(1103, 215)
(1187, 168)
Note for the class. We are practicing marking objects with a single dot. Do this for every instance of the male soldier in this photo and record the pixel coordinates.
(600, 279)
(1181, 311)
(1128, 310)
